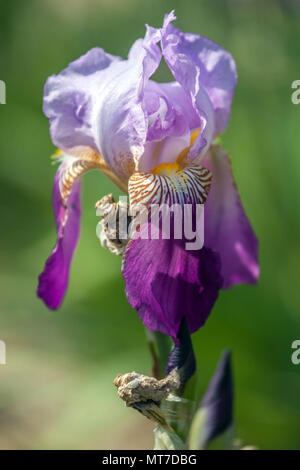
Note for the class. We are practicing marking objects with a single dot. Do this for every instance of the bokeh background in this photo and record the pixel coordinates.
(56, 390)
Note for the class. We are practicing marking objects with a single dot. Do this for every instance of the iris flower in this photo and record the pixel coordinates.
(106, 113)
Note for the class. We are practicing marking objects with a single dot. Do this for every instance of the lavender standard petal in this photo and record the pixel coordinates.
(197, 61)
(97, 101)
(69, 99)
(186, 71)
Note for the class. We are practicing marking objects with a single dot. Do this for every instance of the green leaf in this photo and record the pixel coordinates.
(166, 439)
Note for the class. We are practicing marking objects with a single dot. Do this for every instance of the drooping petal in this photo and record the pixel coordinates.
(198, 63)
(166, 283)
(227, 228)
(53, 281)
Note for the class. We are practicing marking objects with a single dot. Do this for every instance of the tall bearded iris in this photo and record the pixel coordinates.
(106, 113)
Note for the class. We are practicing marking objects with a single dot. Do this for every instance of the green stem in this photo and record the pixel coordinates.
(159, 346)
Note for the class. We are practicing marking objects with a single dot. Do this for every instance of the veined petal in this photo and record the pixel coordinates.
(74, 165)
(79, 161)
(170, 185)
(227, 228)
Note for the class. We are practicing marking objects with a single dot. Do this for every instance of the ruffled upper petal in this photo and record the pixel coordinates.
(200, 98)
(97, 101)
(187, 74)
(226, 226)
(199, 63)
(70, 99)
(53, 281)
(122, 117)
(107, 103)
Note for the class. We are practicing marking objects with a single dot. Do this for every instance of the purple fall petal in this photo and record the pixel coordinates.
(166, 283)
(53, 281)
(227, 229)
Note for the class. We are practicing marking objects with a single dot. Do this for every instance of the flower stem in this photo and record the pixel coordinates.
(159, 346)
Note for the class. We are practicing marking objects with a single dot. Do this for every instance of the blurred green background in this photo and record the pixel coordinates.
(56, 390)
